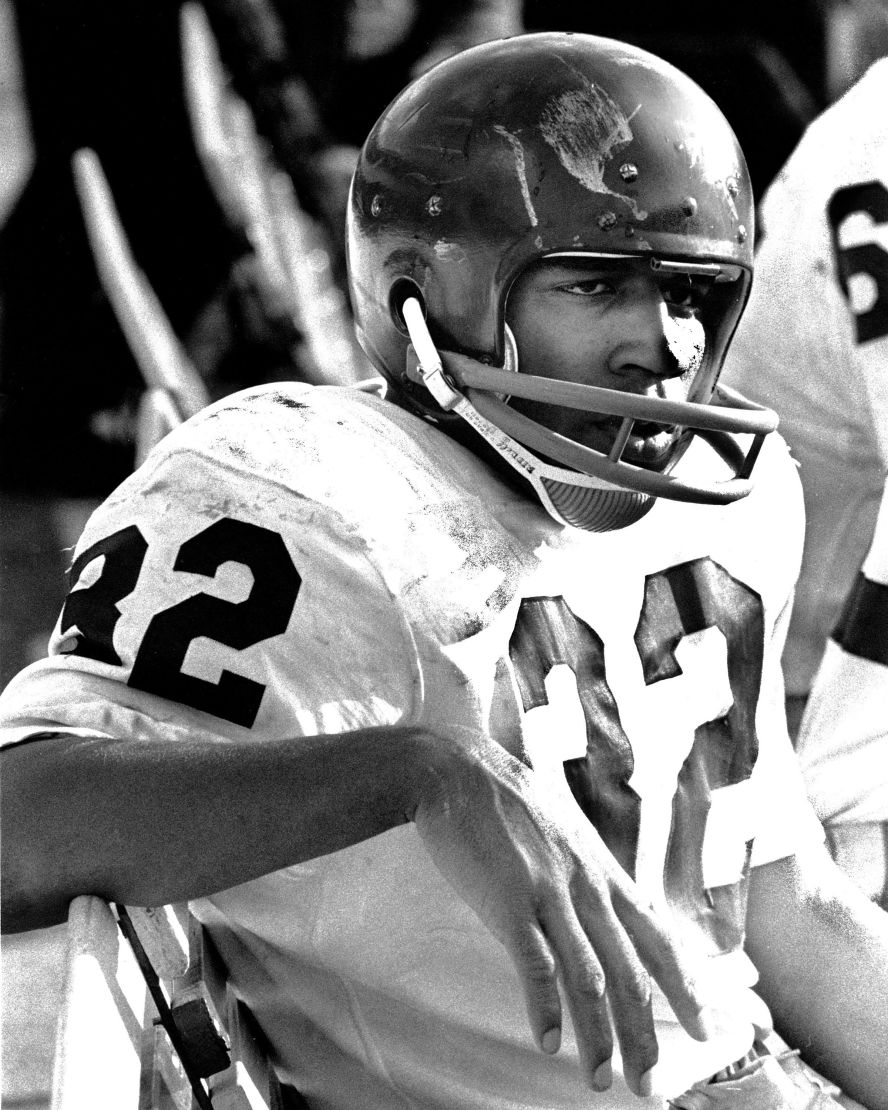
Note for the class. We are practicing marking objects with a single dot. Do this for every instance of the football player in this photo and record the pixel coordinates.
(466, 705)
(814, 343)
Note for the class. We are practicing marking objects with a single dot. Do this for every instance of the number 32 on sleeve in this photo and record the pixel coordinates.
(157, 668)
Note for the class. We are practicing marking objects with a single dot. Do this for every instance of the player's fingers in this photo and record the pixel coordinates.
(537, 970)
(662, 955)
(628, 993)
(584, 985)
(639, 1049)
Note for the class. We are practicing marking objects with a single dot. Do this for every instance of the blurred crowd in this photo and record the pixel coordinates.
(115, 79)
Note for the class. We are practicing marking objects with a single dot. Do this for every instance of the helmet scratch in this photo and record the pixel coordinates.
(520, 170)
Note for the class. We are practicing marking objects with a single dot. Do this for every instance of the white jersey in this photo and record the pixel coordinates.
(301, 560)
(813, 343)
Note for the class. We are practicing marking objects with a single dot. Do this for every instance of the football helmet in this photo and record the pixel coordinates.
(543, 146)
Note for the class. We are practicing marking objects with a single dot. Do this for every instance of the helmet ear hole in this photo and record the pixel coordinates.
(403, 289)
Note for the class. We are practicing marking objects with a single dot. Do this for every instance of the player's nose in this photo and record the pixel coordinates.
(658, 344)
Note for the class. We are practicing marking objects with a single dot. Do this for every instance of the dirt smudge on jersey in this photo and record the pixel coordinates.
(477, 573)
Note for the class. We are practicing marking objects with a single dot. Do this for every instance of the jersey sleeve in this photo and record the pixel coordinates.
(210, 602)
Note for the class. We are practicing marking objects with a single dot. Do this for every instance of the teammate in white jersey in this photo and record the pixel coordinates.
(467, 707)
(814, 343)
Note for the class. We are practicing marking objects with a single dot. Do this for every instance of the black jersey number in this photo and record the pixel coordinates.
(865, 258)
(678, 602)
(93, 609)
(266, 612)
(157, 668)
(546, 634)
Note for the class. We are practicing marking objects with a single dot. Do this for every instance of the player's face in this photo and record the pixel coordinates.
(619, 327)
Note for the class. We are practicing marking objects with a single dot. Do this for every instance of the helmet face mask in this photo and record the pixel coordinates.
(548, 146)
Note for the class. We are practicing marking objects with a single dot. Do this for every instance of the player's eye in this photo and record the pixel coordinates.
(587, 287)
(686, 294)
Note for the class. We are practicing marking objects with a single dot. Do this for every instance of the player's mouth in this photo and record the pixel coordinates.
(649, 444)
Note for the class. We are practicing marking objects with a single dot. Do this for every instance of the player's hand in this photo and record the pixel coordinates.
(523, 856)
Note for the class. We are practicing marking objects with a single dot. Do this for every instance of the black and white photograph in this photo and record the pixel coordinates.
(444, 555)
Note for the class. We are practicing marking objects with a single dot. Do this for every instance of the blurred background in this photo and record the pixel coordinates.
(223, 137)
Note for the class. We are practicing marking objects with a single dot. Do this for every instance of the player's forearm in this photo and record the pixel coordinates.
(822, 954)
(153, 822)
(149, 822)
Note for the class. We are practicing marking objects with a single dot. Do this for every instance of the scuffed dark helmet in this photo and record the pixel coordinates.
(535, 147)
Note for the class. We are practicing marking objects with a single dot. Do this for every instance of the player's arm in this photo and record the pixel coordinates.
(822, 954)
(151, 821)
(155, 821)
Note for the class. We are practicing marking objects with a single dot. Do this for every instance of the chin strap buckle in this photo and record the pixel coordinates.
(423, 361)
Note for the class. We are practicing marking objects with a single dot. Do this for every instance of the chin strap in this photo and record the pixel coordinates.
(591, 490)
